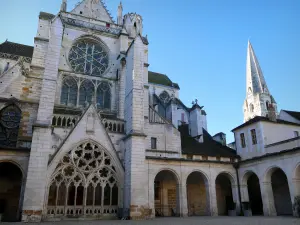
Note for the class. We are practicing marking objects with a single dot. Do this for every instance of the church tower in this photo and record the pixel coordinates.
(259, 101)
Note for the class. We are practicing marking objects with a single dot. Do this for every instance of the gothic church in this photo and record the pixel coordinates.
(88, 132)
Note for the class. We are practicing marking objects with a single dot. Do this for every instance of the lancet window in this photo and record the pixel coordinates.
(103, 96)
(69, 92)
(86, 93)
(10, 118)
(84, 183)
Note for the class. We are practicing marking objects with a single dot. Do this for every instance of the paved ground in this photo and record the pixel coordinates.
(187, 221)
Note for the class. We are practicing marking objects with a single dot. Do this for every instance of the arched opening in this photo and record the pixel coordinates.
(85, 184)
(281, 193)
(267, 105)
(254, 194)
(10, 191)
(224, 194)
(197, 195)
(251, 108)
(166, 194)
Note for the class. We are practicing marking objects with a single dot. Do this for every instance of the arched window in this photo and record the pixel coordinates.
(10, 118)
(69, 92)
(164, 97)
(251, 108)
(86, 93)
(267, 105)
(89, 176)
(249, 90)
(103, 96)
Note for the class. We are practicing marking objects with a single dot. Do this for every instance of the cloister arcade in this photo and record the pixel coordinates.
(177, 190)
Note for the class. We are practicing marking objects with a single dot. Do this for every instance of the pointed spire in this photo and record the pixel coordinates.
(63, 7)
(255, 79)
(120, 14)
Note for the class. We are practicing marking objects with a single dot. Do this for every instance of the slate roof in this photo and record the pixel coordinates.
(264, 119)
(158, 78)
(16, 49)
(294, 114)
(208, 147)
(46, 16)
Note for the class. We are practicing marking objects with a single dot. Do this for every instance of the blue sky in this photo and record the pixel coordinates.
(201, 44)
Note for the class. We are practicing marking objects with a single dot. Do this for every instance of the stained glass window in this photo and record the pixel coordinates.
(10, 118)
(88, 57)
(86, 93)
(69, 92)
(103, 96)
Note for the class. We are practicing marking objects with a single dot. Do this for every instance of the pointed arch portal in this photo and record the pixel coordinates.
(85, 184)
(10, 191)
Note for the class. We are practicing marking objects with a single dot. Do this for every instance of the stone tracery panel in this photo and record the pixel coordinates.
(84, 184)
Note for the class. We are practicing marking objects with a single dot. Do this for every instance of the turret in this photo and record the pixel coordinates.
(120, 14)
(133, 24)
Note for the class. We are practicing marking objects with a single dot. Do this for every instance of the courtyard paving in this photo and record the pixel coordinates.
(186, 221)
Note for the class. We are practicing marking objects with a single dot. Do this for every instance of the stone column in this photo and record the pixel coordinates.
(35, 190)
(183, 199)
(235, 196)
(268, 199)
(294, 187)
(213, 199)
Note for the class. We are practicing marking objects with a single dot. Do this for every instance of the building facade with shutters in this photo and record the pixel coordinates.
(88, 132)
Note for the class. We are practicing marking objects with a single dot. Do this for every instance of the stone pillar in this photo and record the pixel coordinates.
(136, 176)
(268, 199)
(41, 140)
(183, 199)
(244, 193)
(294, 187)
(213, 199)
(235, 196)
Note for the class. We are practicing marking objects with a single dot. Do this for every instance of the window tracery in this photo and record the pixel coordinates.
(89, 57)
(164, 97)
(86, 92)
(10, 118)
(69, 92)
(103, 96)
(84, 183)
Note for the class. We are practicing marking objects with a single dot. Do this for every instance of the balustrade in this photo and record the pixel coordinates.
(64, 120)
(69, 121)
(154, 117)
(116, 126)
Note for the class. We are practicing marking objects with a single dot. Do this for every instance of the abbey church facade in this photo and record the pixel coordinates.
(88, 132)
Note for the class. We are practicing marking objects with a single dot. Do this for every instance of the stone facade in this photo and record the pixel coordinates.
(100, 136)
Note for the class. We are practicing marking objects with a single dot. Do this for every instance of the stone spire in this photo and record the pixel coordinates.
(259, 101)
(63, 6)
(255, 79)
(120, 14)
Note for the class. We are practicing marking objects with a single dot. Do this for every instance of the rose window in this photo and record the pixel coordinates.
(89, 57)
